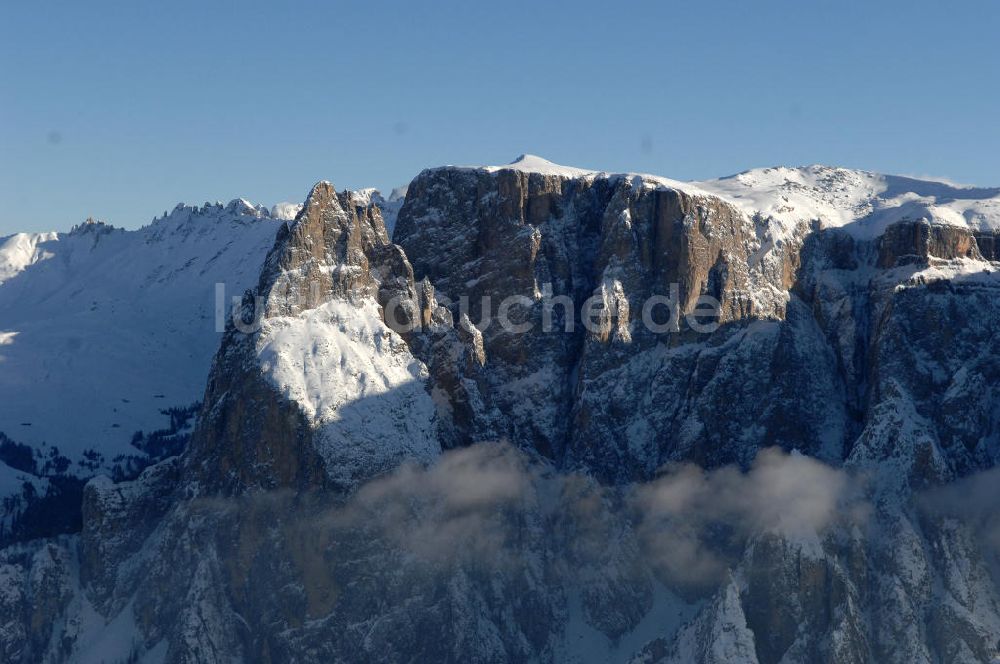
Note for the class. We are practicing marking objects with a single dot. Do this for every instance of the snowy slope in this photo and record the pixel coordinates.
(862, 202)
(12, 483)
(528, 163)
(21, 250)
(101, 328)
(357, 381)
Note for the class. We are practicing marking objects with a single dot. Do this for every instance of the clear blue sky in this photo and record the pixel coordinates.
(121, 109)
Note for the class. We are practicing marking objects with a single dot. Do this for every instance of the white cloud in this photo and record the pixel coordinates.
(692, 521)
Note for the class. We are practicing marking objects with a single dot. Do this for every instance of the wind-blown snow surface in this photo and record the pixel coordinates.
(285, 211)
(100, 328)
(356, 379)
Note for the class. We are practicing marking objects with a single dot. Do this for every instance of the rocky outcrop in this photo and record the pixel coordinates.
(324, 253)
(548, 245)
(906, 243)
(118, 518)
(250, 433)
(988, 245)
(34, 593)
(307, 521)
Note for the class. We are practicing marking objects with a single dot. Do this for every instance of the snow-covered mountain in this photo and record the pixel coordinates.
(370, 476)
(107, 339)
(106, 327)
(862, 203)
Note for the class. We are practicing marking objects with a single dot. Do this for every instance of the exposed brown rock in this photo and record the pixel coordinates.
(905, 243)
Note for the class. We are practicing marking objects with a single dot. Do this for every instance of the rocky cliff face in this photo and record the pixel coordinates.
(772, 479)
(272, 419)
(553, 243)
